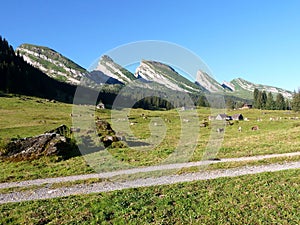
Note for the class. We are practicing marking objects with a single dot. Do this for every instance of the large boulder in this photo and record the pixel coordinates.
(47, 144)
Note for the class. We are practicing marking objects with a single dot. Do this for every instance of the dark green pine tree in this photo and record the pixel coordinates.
(201, 101)
(256, 103)
(280, 102)
(259, 100)
(288, 104)
(264, 99)
(296, 101)
(270, 102)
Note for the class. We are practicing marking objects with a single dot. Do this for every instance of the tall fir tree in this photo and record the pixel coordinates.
(288, 104)
(259, 100)
(270, 102)
(296, 101)
(280, 102)
(256, 98)
(263, 100)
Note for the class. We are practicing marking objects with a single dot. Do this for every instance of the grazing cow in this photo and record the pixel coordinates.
(167, 120)
(255, 128)
(220, 130)
(144, 116)
(204, 124)
(75, 115)
(230, 123)
(75, 129)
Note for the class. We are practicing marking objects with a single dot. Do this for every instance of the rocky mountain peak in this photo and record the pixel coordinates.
(166, 75)
(148, 72)
(52, 63)
(110, 68)
(208, 82)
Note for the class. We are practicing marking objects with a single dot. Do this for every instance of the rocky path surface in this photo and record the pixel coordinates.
(46, 192)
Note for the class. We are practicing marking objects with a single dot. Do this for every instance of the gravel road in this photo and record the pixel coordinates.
(46, 193)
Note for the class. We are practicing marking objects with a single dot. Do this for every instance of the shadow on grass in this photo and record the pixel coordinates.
(137, 143)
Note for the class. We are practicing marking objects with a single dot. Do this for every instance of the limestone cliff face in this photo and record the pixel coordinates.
(237, 87)
(111, 69)
(52, 63)
(149, 74)
(208, 82)
(163, 74)
(242, 86)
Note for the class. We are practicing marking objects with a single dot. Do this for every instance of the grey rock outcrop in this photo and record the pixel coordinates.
(47, 144)
(108, 136)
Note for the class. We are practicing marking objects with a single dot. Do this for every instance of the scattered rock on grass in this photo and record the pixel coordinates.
(108, 136)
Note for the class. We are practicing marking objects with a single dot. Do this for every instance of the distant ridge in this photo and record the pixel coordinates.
(243, 87)
(107, 71)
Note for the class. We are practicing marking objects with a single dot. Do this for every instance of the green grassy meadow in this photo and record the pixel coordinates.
(23, 116)
(27, 116)
(267, 198)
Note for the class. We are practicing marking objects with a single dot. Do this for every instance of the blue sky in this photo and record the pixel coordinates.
(256, 40)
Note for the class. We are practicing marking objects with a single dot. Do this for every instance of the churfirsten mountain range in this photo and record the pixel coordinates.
(107, 71)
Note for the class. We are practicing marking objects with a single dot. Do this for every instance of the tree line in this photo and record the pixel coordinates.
(264, 100)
